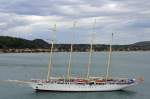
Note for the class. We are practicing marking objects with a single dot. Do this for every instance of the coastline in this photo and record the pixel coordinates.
(27, 50)
(20, 45)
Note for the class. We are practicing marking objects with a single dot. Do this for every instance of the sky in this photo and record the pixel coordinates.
(129, 20)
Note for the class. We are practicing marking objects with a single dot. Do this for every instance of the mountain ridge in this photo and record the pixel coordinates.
(7, 43)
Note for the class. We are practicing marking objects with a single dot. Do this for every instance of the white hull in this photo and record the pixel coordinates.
(78, 87)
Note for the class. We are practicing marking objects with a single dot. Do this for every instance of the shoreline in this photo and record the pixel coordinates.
(48, 50)
(20, 45)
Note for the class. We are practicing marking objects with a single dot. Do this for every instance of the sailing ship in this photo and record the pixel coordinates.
(79, 84)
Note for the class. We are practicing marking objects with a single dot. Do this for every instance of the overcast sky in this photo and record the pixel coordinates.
(129, 20)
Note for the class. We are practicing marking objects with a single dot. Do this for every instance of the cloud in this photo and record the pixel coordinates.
(129, 19)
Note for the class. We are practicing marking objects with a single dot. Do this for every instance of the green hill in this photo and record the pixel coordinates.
(38, 45)
(18, 43)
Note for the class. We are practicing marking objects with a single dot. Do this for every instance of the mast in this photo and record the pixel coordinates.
(50, 55)
(109, 57)
(91, 50)
(70, 57)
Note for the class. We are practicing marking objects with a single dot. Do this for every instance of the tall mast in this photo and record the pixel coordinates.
(109, 57)
(91, 50)
(70, 56)
(50, 55)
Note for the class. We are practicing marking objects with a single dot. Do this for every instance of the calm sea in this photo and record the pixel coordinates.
(24, 66)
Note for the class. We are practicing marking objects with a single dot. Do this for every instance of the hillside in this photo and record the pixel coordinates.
(12, 44)
(144, 43)
(18, 43)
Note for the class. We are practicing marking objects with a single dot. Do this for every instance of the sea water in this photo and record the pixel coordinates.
(26, 66)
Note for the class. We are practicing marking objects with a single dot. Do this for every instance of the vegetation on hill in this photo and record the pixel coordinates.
(12, 44)
(18, 43)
